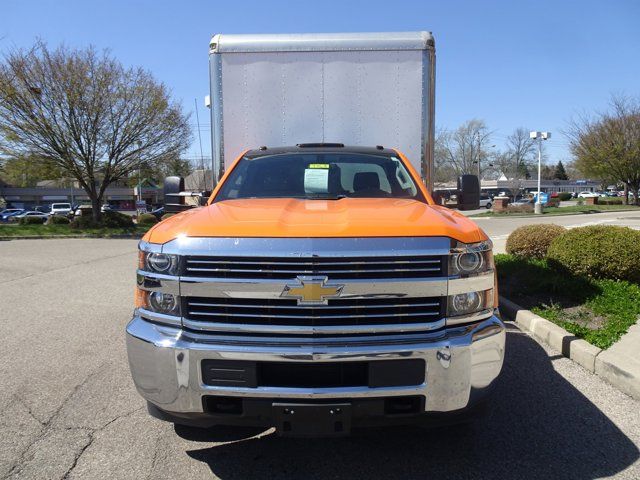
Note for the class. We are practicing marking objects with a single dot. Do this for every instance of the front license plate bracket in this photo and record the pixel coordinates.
(313, 420)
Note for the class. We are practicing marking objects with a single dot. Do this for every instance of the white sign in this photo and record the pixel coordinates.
(316, 180)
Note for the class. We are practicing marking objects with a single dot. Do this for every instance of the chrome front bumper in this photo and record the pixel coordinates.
(462, 363)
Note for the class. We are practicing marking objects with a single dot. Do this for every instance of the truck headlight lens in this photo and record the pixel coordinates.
(161, 263)
(164, 303)
(468, 262)
(469, 302)
(471, 258)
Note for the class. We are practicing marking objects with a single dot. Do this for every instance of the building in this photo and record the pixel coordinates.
(118, 197)
(515, 187)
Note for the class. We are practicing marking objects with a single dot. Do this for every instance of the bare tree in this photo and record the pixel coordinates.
(521, 150)
(461, 151)
(607, 145)
(85, 113)
(514, 163)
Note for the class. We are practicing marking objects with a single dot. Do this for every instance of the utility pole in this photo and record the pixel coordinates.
(540, 136)
(478, 154)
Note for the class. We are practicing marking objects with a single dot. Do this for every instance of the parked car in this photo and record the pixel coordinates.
(158, 213)
(29, 213)
(485, 201)
(83, 210)
(8, 212)
(106, 208)
(42, 208)
(588, 195)
(522, 201)
(60, 208)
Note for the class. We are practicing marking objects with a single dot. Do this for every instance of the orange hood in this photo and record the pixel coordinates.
(347, 217)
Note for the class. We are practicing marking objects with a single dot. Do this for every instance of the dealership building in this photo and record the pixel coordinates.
(118, 197)
(511, 187)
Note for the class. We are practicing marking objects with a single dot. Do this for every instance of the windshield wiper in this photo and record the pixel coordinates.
(325, 197)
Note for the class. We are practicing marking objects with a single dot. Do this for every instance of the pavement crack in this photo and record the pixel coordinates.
(21, 401)
(46, 426)
(154, 460)
(78, 455)
(92, 436)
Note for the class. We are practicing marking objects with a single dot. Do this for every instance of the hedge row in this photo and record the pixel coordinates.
(597, 251)
(107, 220)
(533, 241)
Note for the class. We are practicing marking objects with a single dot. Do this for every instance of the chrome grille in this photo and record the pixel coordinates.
(208, 312)
(336, 268)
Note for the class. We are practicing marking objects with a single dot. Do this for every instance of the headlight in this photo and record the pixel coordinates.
(165, 263)
(471, 258)
(164, 303)
(469, 302)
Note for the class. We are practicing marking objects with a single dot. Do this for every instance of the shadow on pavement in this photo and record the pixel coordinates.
(540, 426)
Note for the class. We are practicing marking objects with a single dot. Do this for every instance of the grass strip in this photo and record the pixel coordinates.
(599, 311)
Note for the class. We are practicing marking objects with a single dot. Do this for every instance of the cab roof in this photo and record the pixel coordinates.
(320, 148)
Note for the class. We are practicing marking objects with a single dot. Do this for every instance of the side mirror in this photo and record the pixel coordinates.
(204, 198)
(175, 197)
(468, 192)
(173, 200)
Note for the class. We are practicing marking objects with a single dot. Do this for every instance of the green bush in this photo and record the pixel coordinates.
(598, 251)
(107, 220)
(564, 196)
(147, 219)
(58, 220)
(167, 215)
(30, 221)
(116, 220)
(553, 202)
(532, 241)
(526, 208)
(83, 222)
(610, 201)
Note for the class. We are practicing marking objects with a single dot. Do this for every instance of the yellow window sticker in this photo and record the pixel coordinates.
(319, 165)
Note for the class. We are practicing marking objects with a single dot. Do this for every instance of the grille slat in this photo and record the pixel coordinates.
(338, 268)
(338, 312)
(302, 307)
(319, 261)
(311, 317)
(297, 272)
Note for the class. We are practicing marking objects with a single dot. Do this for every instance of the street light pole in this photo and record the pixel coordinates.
(540, 136)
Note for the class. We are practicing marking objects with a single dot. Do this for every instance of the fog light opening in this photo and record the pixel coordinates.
(163, 302)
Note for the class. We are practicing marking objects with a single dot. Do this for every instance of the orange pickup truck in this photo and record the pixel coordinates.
(319, 289)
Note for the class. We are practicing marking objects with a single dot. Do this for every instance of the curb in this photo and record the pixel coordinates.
(617, 365)
(480, 215)
(57, 237)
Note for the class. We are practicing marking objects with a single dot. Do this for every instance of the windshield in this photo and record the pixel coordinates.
(61, 205)
(319, 176)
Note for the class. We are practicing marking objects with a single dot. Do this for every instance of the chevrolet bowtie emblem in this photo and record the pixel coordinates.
(312, 290)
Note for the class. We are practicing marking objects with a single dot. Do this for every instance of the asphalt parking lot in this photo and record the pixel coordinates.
(499, 228)
(69, 408)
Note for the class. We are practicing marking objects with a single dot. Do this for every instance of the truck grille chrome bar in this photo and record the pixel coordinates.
(346, 315)
(336, 268)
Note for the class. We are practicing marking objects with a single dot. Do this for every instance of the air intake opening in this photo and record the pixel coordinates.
(402, 405)
(222, 405)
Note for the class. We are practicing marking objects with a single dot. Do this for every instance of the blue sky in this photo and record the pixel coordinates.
(511, 63)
